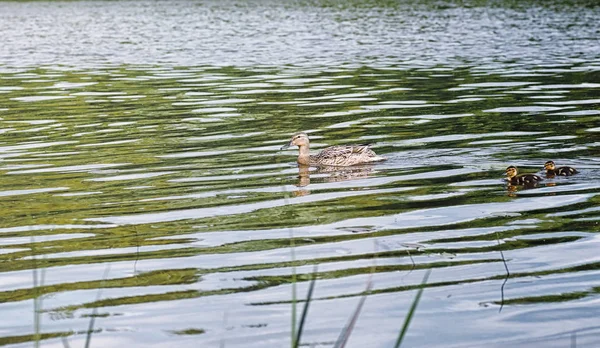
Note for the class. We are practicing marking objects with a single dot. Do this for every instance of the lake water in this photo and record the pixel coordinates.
(142, 182)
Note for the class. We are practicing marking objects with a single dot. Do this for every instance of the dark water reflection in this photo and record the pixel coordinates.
(158, 195)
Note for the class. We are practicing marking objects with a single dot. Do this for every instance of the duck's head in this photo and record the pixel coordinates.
(511, 171)
(549, 165)
(298, 139)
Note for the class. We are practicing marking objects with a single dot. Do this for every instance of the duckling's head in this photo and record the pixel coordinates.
(549, 165)
(298, 139)
(511, 171)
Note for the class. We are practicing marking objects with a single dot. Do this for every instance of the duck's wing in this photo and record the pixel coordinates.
(527, 179)
(366, 154)
(363, 149)
(565, 171)
(343, 155)
(333, 155)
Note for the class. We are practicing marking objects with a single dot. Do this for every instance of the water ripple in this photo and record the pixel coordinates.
(164, 187)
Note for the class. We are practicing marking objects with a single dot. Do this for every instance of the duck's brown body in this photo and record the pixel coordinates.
(562, 171)
(345, 155)
(523, 179)
(340, 155)
(552, 170)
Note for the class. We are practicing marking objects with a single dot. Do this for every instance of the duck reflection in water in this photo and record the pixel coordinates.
(329, 174)
(513, 189)
(303, 180)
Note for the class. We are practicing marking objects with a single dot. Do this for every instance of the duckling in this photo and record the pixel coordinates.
(551, 169)
(341, 155)
(523, 179)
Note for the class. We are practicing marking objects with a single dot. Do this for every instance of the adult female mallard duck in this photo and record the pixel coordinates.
(523, 179)
(551, 169)
(340, 155)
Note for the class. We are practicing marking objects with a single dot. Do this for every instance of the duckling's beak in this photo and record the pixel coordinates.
(286, 145)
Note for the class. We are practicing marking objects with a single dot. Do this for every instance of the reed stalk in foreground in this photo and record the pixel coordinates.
(347, 330)
(90, 330)
(38, 283)
(293, 260)
(311, 288)
(293, 331)
(412, 310)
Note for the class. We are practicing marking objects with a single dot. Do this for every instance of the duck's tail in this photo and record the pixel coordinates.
(377, 158)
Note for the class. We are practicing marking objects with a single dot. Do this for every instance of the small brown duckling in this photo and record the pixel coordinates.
(523, 179)
(551, 169)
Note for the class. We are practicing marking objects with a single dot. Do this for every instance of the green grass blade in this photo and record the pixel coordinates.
(88, 337)
(347, 330)
(222, 343)
(65, 342)
(36, 298)
(293, 259)
(412, 310)
(36, 310)
(505, 279)
(90, 331)
(311, 288)
(294, 305)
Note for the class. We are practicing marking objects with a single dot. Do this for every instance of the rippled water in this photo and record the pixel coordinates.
(142, 184)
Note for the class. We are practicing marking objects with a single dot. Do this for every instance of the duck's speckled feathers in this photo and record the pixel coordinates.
(562, 171)
(345, 155)
(525, 179)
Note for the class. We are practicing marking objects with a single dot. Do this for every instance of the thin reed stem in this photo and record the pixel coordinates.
(412, 310)
(311, 288)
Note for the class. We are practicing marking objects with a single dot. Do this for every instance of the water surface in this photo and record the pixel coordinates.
(142, 181)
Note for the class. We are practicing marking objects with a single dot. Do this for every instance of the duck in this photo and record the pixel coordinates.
(339, 155)
(523, 179)
(551, 169)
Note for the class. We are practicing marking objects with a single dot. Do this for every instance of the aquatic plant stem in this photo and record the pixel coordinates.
(347, 330)
(38, 283)
(505, 279)
(293, 290)
(412, 310)
(65, 342)
(293, 260)
(222, 343)
(36, 312)
(311, 288)
(88, 337)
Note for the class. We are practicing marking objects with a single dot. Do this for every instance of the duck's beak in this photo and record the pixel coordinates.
(286, 145)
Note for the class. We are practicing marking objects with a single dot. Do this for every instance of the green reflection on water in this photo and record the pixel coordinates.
(136, 142)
